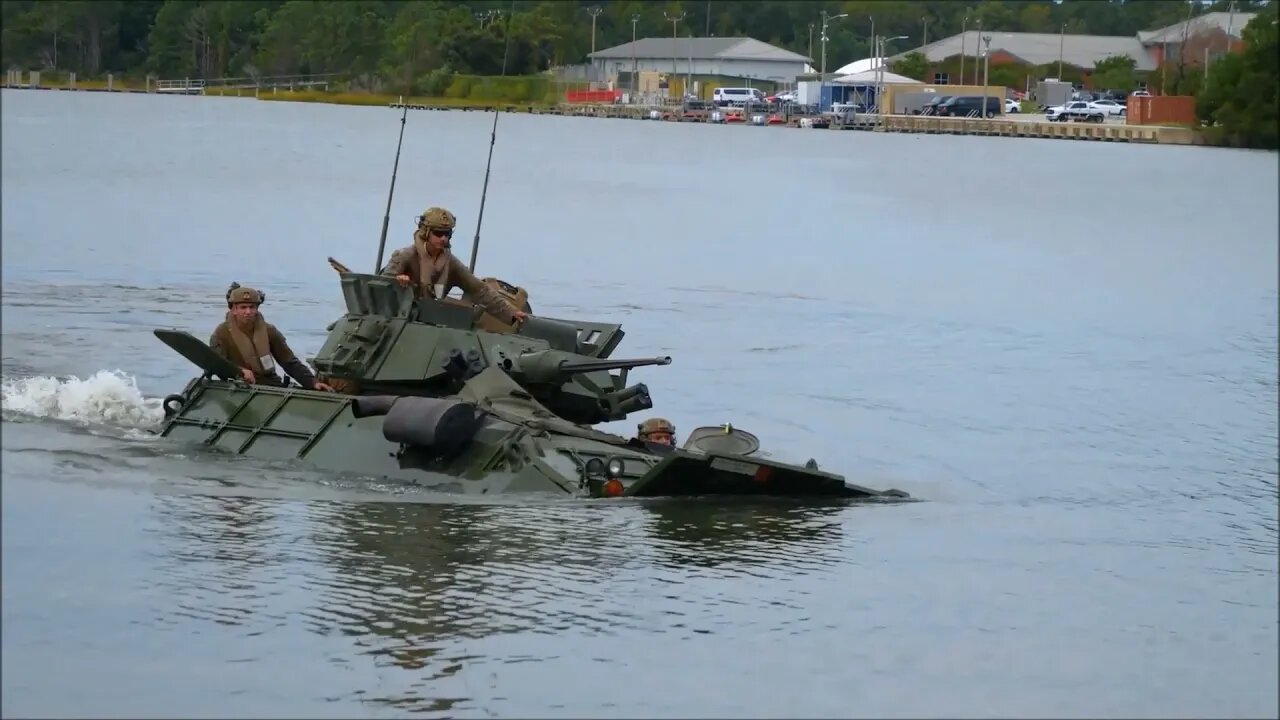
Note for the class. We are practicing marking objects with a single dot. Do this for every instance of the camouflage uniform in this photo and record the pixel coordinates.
(656, 425)
(261, 348)
(434, 277)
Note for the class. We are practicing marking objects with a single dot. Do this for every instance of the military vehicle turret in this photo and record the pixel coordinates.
(439, 393)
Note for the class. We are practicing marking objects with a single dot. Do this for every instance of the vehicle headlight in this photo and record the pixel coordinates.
(615, 467)
(595, 467)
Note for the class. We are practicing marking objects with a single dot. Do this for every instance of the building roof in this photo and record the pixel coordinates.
(1201, 23)
(702, 48)
(862, 65)
(1083, 51)
(868, 77)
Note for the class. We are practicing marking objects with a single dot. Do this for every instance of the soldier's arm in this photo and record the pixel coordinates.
(289, 362)
(215, 344)
(494, 303)
(396, 265)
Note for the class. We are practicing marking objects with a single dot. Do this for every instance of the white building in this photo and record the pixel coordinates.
(711, 56)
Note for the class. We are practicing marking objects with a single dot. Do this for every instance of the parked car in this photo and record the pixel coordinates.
(931, 107)
(1012, 106)
(737, 96)
(970, 106)
(1077, 110)
(1110, 107)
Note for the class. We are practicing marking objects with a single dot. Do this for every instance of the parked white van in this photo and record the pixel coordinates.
(737, 96)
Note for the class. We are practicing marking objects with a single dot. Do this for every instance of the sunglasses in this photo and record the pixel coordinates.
(438, 232)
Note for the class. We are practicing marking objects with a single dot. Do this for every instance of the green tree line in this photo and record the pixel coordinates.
(422, 46)
(397, 40)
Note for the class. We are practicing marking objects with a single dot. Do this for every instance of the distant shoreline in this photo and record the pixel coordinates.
(1121, 134)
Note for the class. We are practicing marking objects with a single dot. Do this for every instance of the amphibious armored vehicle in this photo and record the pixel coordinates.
(441, 394)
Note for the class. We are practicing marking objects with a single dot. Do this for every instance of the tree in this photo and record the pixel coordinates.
(1115, 73)
(913, 65)
(1241, 101)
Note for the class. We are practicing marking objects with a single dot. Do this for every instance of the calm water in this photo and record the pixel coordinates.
(1068, 350)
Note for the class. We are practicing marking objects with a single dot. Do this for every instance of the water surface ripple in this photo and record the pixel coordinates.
(1075, 368)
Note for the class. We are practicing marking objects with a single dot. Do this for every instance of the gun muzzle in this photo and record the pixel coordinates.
(628, 400)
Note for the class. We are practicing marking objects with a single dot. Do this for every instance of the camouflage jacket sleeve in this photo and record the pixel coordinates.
(289, 362)
(398, 264)
(215, 343)
(494, 303)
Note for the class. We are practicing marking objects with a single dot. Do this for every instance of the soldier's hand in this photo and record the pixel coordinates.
(519, 315)
(403, 280)
(322, 386)
(247, 374)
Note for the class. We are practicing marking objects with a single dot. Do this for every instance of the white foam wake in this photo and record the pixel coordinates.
(108, 396)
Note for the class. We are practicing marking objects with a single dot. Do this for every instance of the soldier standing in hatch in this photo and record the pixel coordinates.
(657, 430)
(254, 345)
(432, 269)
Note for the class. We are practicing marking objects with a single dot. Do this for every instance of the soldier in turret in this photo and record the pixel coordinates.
(429, 265)
(255, 346)
(657, 430)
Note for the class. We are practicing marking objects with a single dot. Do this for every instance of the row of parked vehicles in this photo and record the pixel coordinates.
(968, 106)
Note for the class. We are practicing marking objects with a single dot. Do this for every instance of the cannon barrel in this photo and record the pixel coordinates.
(555, 366)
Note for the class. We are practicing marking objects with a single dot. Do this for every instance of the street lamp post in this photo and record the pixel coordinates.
(823, 38)
(826, 20)
(883, 51)
(593, 12)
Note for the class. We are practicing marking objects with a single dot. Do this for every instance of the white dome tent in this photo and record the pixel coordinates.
(859, 66)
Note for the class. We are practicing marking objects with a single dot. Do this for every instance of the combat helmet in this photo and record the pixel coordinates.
(655, 425)
(237, 293)
(437, 218)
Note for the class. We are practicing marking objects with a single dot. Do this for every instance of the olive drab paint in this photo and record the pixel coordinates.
(447, 404)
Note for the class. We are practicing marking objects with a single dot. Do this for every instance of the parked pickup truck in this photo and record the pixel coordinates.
(1077, 110)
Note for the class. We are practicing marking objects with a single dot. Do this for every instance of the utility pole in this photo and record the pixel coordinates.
(1231, 21)
(594, 12)
(975, 60)
(810, 42)
(673, 21)
(634, 19)
(1062, 42)
(925, 40)
(986, 76)
(688, 83)
(708, 32)
(964, 32)
(875, 47)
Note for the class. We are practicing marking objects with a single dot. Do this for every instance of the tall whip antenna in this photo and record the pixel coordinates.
(493, 136)
(382, 242)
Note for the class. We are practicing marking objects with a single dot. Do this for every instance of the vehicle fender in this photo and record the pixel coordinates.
(443, 425)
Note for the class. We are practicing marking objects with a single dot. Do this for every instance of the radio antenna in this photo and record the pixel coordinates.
(382, 242)
(493, 136)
